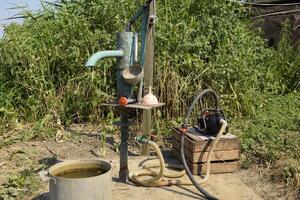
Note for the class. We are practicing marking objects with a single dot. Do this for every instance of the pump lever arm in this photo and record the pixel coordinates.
(138, 14)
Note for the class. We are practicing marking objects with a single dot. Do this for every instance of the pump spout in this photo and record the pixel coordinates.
(92, 61)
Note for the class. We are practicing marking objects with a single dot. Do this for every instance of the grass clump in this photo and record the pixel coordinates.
(19, 185)
(272, 138)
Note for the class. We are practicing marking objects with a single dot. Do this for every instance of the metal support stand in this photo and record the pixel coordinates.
(123, 173)
(124, 42)
(125, 55)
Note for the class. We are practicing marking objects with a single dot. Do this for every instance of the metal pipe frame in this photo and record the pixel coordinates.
(125, 55)
(138, 14)
(92, 61)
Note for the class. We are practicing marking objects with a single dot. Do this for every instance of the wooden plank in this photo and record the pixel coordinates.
(227, 142)
(216, 167)
(220, 155)
(148, 73)
(135, 105)
(198, 137)
(145, 107)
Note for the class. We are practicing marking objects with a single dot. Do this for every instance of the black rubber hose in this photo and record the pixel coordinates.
(200, 96)
(185, 125)
(191, 177)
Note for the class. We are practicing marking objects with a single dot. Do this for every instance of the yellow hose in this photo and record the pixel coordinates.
(158, 180)
(167, 173)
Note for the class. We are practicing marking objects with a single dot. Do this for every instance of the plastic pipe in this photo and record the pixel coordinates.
(154, 181)
(161, 160)
(92, 61)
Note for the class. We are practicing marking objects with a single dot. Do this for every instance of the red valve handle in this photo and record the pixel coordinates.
(123, 101)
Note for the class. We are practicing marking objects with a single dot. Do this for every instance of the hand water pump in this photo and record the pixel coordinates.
(130, 71)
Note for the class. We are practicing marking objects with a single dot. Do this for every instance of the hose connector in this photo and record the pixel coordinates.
(183, 129)
(142, 139)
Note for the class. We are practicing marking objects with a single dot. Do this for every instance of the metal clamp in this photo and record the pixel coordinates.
(141, 139)
(152, 19)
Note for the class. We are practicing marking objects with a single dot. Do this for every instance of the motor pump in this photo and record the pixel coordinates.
(208, 121)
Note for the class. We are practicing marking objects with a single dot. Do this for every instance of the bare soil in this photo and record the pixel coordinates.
(34, 156)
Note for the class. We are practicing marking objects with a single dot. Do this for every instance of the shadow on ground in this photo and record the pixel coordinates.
(44, 196)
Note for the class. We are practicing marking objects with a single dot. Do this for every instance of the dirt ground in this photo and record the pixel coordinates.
(37, 155)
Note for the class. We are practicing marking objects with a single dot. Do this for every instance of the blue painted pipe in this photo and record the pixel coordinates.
(92, 61)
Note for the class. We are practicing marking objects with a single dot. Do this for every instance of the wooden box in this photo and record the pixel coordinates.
(225, 158)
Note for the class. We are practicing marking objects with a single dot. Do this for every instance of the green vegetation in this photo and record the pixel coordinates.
(271, 137)
(19, 185)
(199, 44)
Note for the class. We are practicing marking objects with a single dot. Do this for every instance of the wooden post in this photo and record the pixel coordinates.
(148, 70)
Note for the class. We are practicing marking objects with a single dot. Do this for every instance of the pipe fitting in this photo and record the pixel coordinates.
(92, 61)
(141, 139)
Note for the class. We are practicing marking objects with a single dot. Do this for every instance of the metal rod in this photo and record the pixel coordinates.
(276, 13)
(134, 18)
(137, 15)
(136, 47)
(124, 42)
(123, 173)
(143, 47)
(265, 4)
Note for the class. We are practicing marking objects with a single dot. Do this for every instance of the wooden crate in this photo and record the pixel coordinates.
(225, 158)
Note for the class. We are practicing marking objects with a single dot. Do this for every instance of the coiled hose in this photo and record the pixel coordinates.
(158, 179)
